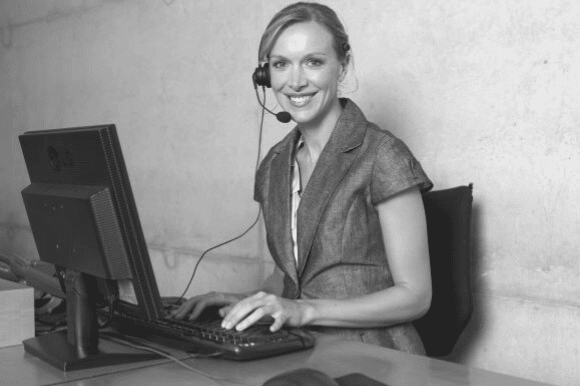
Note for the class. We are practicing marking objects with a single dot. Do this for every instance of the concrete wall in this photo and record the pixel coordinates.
(482, 91)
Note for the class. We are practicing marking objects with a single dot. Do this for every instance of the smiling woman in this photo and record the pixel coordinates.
(341, 200)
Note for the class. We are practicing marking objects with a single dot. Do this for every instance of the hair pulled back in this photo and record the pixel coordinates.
(302, 12)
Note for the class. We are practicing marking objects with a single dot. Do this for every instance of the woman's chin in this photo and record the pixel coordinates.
(301, 117)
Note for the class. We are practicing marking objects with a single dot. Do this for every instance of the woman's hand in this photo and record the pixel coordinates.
(194, 306)
(250, 310)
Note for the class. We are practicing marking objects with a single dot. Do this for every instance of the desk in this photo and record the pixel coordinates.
(331, 355)
(20, 368)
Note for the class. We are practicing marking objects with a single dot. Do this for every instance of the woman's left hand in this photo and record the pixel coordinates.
(250, 310)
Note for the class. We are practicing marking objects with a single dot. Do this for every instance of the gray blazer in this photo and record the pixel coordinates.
(340, 246)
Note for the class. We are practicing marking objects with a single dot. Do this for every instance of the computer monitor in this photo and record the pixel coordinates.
(84, 221)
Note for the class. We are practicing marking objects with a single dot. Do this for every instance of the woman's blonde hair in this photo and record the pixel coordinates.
(305, 12)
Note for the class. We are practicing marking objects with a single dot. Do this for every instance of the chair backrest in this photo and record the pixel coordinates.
(448, 214)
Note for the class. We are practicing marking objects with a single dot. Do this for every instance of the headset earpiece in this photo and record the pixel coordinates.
(261, 76)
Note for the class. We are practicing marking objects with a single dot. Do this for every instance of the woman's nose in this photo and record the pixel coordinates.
(298, 79)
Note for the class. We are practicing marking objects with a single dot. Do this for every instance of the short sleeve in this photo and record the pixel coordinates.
(396, 169)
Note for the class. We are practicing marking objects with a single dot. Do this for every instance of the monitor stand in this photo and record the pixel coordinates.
(79, 347)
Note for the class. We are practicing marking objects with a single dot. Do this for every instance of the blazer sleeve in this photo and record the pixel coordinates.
(395, 169)
(262, 180)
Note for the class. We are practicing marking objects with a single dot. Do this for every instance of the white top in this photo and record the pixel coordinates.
(296, 195)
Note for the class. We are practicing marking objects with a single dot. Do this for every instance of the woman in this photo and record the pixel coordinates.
(341, 200)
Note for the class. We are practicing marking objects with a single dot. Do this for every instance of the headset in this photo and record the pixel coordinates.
(261, 77)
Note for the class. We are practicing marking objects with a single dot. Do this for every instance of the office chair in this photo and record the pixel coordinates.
(448, 215)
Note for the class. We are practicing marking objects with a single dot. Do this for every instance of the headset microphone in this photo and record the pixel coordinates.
(282, 116)
(261, 77)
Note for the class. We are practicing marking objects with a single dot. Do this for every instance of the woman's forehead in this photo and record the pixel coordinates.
(303, 37)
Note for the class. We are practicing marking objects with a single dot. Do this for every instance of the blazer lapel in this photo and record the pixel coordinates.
(333, 163)
(281, 212)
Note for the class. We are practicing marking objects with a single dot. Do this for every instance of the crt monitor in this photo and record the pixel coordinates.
(84, 221)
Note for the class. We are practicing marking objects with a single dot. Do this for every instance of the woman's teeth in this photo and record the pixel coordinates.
(300, 100)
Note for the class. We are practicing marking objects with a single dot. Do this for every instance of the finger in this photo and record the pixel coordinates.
(251, 319)
(278, 323)
(198, 303)
(197, 309)
(213, 299)
(184, 309)
(241, 310)
(224, 311)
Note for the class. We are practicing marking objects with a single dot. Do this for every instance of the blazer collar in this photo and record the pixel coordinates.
(347, 134)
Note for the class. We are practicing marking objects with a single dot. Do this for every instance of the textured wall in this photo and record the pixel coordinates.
(488, 92)
(175, 80)
(482, 91)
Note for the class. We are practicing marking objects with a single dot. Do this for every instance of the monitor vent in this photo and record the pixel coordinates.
(107, 225)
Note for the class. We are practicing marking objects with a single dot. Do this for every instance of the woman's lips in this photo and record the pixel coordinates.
(300, 100)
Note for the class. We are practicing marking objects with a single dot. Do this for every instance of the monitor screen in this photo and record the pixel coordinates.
(84, 220)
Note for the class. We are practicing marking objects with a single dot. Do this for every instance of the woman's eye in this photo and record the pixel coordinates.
(279, 64)
(314, 63)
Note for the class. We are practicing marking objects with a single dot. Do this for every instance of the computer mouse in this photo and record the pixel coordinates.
(301, 377)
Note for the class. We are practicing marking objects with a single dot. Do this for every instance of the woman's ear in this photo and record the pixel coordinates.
(344, 67)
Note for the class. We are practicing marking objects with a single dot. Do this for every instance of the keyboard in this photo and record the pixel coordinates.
(207, 337)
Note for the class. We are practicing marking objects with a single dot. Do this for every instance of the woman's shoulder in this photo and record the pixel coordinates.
(375, 134)
(383, 140)
(395, 167)
(378, 133)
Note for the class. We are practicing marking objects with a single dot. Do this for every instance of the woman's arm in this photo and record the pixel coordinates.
(404, 232)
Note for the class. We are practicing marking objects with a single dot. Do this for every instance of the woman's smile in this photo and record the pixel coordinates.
(300, 100)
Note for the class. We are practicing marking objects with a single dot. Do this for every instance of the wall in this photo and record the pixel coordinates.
(483, 92)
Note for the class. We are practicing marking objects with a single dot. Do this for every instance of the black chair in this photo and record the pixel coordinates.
(448, 214)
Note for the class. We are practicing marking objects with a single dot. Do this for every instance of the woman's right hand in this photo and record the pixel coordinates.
(194, 306)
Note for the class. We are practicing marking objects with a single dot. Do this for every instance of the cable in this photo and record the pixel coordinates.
(112, 306)
(249, 228)
(215, 247)
(123, 340)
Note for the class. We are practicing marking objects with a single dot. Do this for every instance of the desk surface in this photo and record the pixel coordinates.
(331, 355)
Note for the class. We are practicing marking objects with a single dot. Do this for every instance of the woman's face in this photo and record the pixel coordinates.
(305, 72)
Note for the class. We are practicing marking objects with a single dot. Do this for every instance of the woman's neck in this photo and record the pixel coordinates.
(317, 134)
